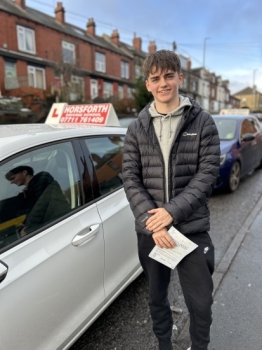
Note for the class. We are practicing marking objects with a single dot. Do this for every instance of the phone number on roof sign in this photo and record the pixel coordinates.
(88, 120)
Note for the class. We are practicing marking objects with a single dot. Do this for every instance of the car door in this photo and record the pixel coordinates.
(121, 259)
(248, 149)
(52, 277)
(256, 130)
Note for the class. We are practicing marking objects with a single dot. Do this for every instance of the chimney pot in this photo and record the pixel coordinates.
(188, 63)
(137, 43)
(115, 37)
(91, 27)
(60, 13)
(152, 47)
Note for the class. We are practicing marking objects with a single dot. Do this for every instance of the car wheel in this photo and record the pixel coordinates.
(234, 177)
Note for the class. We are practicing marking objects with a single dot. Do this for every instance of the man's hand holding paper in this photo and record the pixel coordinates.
(171, 257)
(163, 240)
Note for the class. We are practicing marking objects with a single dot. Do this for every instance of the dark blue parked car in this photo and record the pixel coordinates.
(241, 148)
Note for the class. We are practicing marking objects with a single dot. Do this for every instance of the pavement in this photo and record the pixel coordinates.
(237, 308)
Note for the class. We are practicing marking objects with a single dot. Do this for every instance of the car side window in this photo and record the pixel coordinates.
(106, 153)
(254, 126)
(37, 188)
(245, 128)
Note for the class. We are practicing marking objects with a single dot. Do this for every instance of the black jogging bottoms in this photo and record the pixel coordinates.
(195, 275)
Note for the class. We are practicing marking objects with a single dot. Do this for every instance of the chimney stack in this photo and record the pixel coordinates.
(60, 13)
(137, 43)
(91, 27)
(152, 47)
(188, 64)
(20, 3)
(115, 37)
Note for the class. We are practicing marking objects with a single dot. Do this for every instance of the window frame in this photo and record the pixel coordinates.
(107, 93)
(120, 92)
(23, 31)
(100, 65)
(96, 187)
(73, 49)
(34, 68)
(79, 156)
(125, 69)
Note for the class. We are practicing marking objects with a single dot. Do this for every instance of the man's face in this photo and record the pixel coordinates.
(19, 179)
(164, 86)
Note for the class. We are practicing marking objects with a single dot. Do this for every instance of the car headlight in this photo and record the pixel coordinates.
(222, 159)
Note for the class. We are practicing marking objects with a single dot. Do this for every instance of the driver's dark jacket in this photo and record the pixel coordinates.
(193, 169)
(43, 201)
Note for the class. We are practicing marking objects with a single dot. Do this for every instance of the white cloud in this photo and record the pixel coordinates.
(241, 78)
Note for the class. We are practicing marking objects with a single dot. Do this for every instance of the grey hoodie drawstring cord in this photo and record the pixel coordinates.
(170, 131)
(161, 126)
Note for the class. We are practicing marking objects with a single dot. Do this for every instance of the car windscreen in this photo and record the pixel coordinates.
(226, 128)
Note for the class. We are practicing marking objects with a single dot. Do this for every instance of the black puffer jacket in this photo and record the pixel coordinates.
(45, 201)
(193, 170)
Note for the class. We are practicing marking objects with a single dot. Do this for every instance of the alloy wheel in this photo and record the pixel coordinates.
(234, 177)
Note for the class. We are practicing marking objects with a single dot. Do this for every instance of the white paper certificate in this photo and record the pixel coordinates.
(171, 257)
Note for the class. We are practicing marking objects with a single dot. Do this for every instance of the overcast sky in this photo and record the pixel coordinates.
(234, 29)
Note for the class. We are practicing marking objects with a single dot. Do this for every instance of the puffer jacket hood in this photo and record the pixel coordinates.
(193, 169)
(191, 110)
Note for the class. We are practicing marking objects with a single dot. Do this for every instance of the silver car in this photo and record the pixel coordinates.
(67, 237)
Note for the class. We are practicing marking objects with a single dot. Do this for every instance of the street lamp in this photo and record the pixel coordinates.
(254, 89)
(204, 51)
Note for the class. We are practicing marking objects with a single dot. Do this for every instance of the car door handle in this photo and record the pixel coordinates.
(3, 271)
(78, 239)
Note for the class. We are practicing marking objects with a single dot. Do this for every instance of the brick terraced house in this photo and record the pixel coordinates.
(42, 55)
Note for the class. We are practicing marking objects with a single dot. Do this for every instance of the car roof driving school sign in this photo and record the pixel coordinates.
(91, 114)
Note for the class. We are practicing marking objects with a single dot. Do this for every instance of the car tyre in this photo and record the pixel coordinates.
(234, 177)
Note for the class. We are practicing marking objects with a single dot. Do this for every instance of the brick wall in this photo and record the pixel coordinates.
(48, 44)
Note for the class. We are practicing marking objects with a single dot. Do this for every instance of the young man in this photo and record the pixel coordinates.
(170, 165)
(42, 199)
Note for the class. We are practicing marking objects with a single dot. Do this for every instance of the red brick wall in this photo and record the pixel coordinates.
(49, 46)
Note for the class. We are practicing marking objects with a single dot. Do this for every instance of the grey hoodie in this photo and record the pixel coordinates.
(165, 127)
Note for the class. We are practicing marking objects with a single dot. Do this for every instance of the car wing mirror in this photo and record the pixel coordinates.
(248, 137)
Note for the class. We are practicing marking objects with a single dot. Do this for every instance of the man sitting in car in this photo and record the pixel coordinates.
(41, 200)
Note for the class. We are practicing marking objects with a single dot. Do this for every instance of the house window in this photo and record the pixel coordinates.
(36, 77)
(68, 52)
(10, 69)
(194, 85)
(77, 88)
(100, 62)
(26, 39)
(120, 92)
(138, 71)
(130, 92)
(94, 88)
(124, 70)
(108, 90)
(11, 81)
